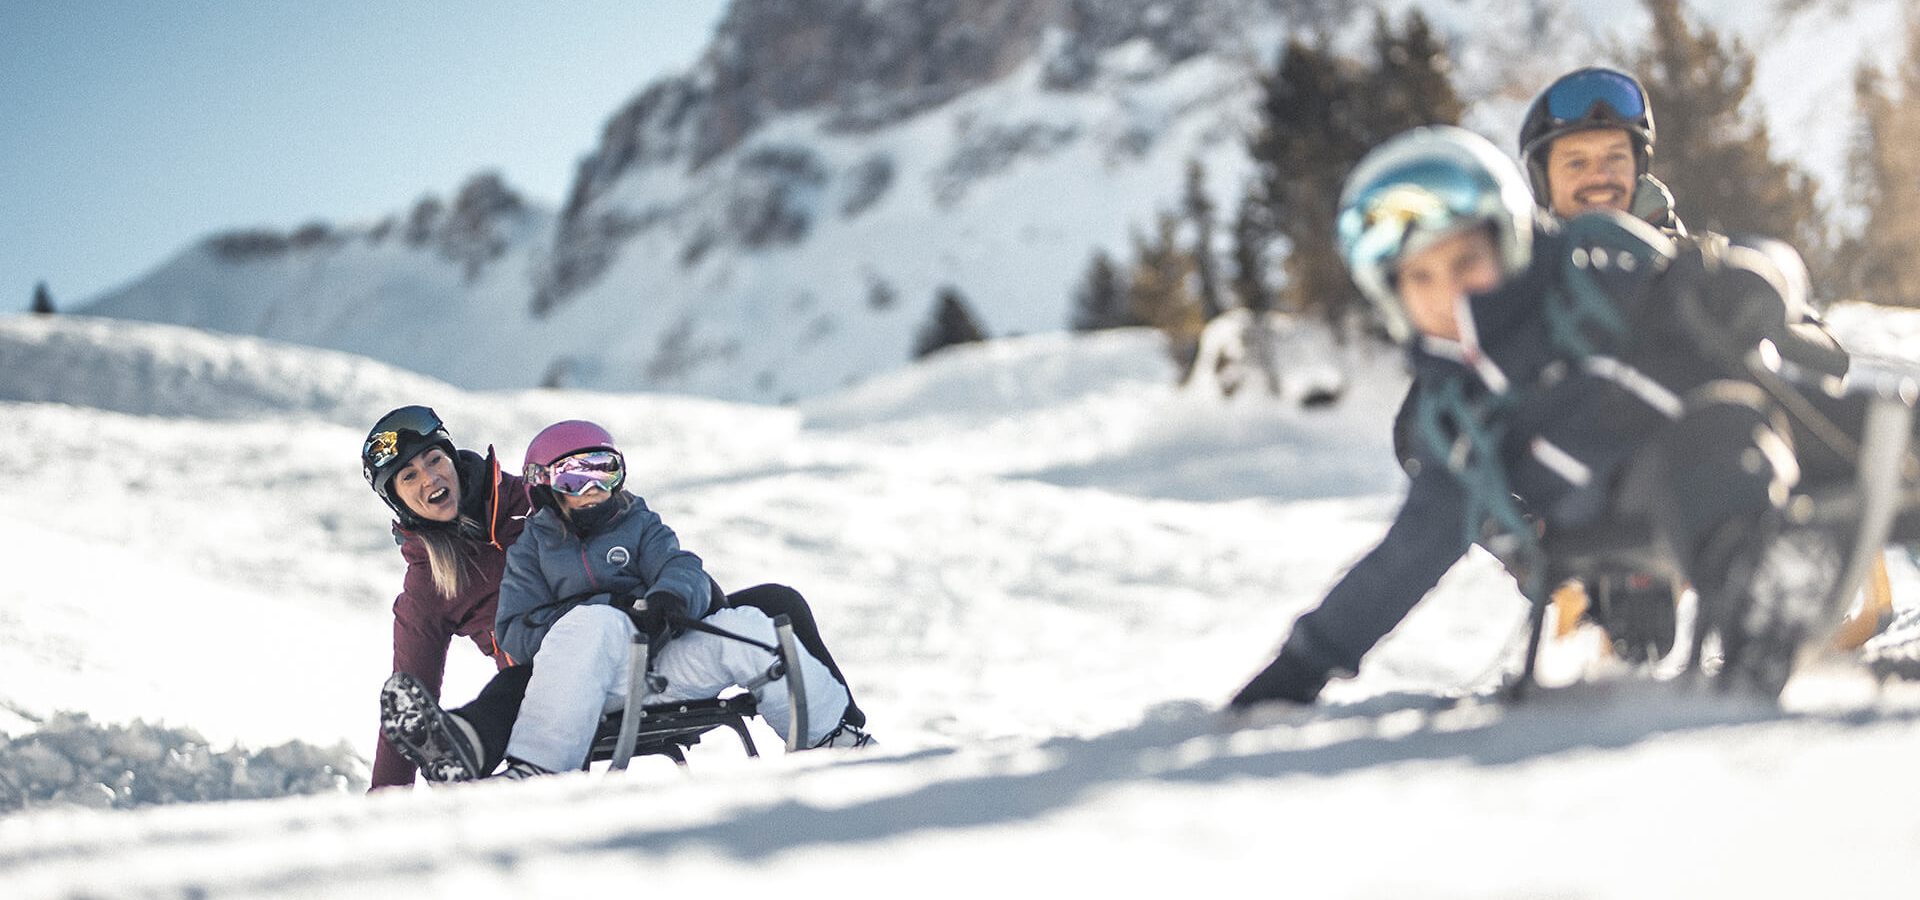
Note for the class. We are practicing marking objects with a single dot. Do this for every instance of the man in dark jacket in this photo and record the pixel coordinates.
(1586, 143)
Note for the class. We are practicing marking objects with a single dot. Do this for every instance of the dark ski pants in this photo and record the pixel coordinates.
(1729, 462)
(492, 712)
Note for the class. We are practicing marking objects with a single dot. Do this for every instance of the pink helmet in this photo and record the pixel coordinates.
(558, 441)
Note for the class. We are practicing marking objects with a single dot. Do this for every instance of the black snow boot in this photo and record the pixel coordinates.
(444, 747)
(1773, 601)
(1637, 612)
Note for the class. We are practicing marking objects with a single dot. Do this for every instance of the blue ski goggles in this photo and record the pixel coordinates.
(1419, 203)
(1596, 93)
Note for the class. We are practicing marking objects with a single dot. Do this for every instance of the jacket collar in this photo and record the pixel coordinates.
(550, 523)
(480, 497)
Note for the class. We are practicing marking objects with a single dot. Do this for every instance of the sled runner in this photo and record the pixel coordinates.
(668, 729)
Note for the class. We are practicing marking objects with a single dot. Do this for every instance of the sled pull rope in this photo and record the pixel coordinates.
(1470, 454)
(1581, 303)
(693, 624)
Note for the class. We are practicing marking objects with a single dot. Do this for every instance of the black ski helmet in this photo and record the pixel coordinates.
(393, 442)
(1583, 100)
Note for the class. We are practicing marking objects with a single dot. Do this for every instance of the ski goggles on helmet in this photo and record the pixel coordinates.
(1599, 94)
(386, 442)
(1420, 203)
(580, 473)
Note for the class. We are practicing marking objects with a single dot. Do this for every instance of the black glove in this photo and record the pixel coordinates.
(653, 614)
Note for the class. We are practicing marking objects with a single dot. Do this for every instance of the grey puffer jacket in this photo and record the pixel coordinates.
(551, 570)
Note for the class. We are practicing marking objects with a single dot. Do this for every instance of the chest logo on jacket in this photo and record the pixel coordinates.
(618, 556)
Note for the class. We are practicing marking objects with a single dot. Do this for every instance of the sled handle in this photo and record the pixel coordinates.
(631, 717)
(796, 685)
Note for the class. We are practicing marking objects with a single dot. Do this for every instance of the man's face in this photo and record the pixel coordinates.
(1589, 170)
(1432, 281)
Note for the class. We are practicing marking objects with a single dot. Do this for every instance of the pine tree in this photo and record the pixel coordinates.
(1158, 292)
(952, 323)
(1101, 300)
(1713, 153)
(1320, 113)
(1412, 79)
(1252, 234)
(1199, 210)
(1312, 133)
(42, 299)
(1884, 180)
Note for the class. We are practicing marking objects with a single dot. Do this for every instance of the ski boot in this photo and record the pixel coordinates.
(1637, 611)
(439, 743)
(847, 735)
(521, 770)
(1784, 603)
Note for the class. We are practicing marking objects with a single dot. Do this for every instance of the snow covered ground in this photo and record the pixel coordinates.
(1042, 567)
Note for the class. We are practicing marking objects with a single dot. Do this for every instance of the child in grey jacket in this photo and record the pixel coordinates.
(590, 549)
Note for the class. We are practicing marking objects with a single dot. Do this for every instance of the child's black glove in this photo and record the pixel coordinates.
(654, 614)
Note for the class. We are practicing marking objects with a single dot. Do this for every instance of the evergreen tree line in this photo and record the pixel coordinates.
(1320, 112)
(1877, 257)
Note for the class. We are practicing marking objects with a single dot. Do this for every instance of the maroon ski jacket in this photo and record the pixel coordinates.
(424, 621)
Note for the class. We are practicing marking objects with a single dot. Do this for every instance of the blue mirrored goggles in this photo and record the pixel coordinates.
(1577, 96)
(1426, 199)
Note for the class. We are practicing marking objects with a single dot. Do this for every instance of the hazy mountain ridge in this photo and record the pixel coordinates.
(774, 223)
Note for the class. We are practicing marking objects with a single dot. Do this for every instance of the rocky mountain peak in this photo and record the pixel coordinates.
(860, 65)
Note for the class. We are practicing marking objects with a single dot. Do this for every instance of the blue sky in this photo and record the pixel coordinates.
(130, 129)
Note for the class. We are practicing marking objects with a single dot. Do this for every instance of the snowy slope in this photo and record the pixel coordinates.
(804, 254)
(1042, 568)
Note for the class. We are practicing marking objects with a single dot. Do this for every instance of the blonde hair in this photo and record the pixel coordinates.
(448, 558)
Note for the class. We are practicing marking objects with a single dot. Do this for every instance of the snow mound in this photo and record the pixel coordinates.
(172, 371)
(1882, 334)
(1001, 378)
(73, 760)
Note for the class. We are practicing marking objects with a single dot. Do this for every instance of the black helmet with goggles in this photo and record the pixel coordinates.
(393, 442)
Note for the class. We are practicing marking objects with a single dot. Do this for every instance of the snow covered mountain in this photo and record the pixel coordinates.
(1041, 565)
(775, 223)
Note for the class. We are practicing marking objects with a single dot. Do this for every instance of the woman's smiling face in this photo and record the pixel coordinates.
(429, 486)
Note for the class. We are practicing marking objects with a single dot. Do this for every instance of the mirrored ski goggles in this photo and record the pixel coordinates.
(383, 445)
(577, 474)
(1409, 208)
(1576, 96)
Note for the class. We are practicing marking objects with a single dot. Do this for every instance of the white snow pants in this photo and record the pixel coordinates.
(580, 674)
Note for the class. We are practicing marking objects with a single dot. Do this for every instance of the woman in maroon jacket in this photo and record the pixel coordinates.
(456, 513)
